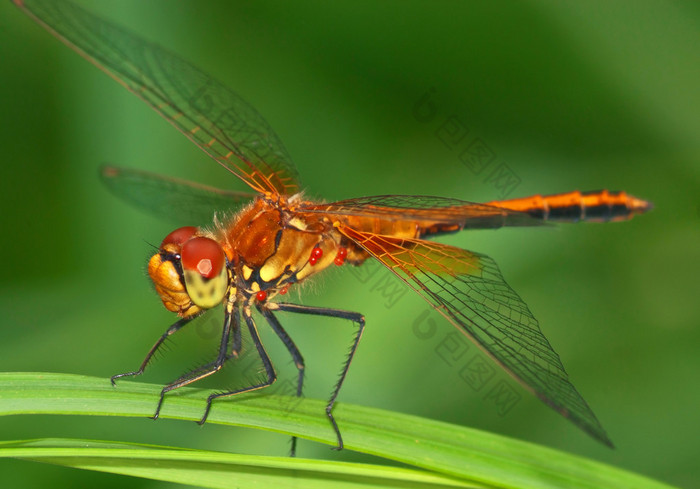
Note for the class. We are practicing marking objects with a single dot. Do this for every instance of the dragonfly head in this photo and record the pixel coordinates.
(189, 272)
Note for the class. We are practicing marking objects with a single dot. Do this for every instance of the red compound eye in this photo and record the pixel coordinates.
(261, 296)
(179, 236)
(203, 255)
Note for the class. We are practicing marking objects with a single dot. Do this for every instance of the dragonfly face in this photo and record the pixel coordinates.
(189, 272)
(277, 239)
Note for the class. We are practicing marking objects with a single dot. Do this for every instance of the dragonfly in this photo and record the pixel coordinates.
(275, 239)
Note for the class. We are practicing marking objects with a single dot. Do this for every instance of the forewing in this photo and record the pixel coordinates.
(171, 198)
(214, 117)
(468, 289)
(468, 215)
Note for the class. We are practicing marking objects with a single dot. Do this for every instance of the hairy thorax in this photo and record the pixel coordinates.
(270, 246)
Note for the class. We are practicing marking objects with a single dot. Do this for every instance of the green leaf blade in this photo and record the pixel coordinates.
(451, 451)
(218, 470)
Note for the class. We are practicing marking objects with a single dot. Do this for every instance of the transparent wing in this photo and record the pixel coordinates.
(467, 215)
(171, 198)
(214, 117)
(468, 289)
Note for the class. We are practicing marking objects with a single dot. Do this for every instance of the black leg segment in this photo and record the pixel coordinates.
(231, 316)
(355, 317)
(172, 329)
(267, 364)
(293, 351)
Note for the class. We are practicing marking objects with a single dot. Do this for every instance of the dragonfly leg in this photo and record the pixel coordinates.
(334, 313)
(172, 329)
(236, 342)
(211, 367)
(267, 364)
(293, 351)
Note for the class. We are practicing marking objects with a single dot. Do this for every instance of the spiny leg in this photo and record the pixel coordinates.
(207, 367)
(231, 315)
(267, 364)
(172, 329)
(335, 313)
(237, 341)
(293, 351)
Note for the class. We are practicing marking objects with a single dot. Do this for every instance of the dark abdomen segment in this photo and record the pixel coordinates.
(594, 206)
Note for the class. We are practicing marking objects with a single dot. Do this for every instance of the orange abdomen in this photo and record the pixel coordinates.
(594, 206)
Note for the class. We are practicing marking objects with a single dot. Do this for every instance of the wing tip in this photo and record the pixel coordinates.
(588, 423)
(109, 171)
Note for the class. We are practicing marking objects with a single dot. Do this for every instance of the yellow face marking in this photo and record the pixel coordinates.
(206, 293)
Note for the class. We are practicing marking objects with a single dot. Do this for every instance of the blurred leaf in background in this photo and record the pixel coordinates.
(587, 96)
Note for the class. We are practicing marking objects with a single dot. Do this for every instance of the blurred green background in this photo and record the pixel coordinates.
(579, 96)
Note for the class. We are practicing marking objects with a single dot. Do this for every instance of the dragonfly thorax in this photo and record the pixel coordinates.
(271, 247)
